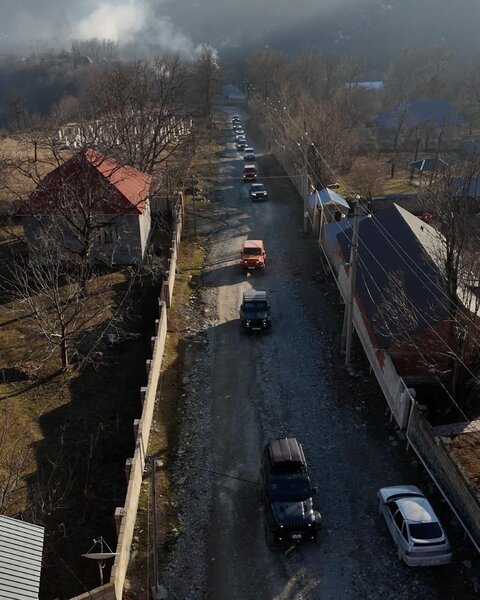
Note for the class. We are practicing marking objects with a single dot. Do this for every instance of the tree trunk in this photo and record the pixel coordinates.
(64, 353)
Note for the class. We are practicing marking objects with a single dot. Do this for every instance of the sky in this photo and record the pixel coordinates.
(242, 25)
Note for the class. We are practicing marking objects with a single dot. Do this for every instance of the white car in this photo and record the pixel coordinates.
(416, 530)
(249, 154)
(239, 134)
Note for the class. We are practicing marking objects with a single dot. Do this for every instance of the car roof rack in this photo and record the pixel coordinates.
(286, 452)
(254, 295)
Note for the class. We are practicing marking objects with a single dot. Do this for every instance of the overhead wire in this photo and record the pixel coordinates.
(451, 351)
(379, 225)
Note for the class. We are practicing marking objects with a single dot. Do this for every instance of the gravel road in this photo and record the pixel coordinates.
(241, 390)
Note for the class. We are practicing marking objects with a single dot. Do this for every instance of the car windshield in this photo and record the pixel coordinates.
(252, 251)
(290, 488)
(255, 305)
(257, 187)
(425, 531)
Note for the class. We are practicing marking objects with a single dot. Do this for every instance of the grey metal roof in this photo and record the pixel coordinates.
(21, 548)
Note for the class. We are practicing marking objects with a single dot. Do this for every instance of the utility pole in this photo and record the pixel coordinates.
(194, 209)
(352, 270)
(153, 465)
(305, 188)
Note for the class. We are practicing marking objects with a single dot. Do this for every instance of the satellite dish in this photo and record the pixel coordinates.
(100, 555)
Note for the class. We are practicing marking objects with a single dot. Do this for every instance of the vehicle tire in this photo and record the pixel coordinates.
(269, 537)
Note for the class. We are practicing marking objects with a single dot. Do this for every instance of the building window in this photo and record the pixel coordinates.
(109, 233)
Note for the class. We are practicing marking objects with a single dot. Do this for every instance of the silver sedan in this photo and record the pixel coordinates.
(415, 528)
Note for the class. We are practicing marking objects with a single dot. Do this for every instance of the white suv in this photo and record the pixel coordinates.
(248, 154)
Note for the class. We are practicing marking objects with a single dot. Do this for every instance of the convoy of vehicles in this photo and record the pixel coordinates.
(286, 491)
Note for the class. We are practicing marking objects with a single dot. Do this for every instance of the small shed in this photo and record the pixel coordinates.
(429, 166)
(21, 549)
(325, 206)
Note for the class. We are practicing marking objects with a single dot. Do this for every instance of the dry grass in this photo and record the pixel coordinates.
(19, 149)
(400, 184)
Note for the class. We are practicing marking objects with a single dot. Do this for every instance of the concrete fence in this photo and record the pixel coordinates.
(126, 515)
(447, 474)
(166, 290)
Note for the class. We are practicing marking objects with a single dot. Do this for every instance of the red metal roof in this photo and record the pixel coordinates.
(90, 178)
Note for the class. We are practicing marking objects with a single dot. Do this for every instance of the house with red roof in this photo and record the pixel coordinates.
(92, 205)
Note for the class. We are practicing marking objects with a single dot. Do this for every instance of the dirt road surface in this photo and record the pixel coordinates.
(244, 389)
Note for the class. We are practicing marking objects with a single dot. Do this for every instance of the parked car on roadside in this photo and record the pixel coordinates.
(253, 255)
(414, 526)
(249, 154)
(257, 192)
(255, 311)
(287, 494)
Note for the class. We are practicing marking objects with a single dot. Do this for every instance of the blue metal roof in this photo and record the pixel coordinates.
(420, 112)
(428, 164)
(21, 549)
(464, 187)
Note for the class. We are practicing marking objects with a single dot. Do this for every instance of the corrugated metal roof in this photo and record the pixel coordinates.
(404, 247)
(21, 549)
(428, 164)
(420, 112)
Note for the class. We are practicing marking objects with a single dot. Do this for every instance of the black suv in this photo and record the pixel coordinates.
(287, 494)
(258, 192)
(255, 312)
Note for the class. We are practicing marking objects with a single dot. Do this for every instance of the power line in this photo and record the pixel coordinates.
(452, 353)
(378, 224)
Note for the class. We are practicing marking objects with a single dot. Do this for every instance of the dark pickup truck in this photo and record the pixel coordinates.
(287, 494)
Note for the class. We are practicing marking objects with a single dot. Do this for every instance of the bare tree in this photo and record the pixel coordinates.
(367, 177)
(15, 461)
(453, 200)
(206, 77)
(268, 69)
(51, 293)
(138, 110)
(93, 51)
